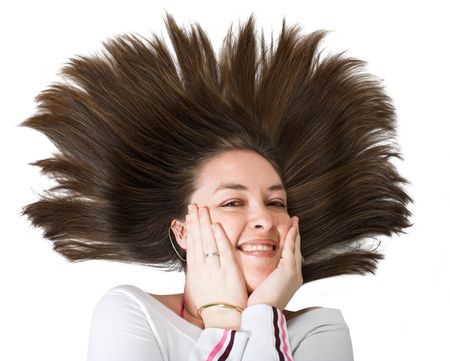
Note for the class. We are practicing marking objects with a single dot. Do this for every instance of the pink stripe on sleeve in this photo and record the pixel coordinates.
(218, 346)
(283, 337)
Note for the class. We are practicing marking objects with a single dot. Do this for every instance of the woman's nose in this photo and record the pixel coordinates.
(261, 217)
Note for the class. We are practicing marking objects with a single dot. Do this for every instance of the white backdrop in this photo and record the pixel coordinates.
(401, 313)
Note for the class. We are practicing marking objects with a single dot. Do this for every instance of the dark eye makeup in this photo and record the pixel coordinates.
(279, 203)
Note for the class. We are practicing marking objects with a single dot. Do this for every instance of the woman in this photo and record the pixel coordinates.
(249, 142)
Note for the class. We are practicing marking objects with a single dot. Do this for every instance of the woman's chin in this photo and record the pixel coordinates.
(256, 272)
(253, 281)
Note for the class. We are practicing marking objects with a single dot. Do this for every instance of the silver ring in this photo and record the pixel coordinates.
(303, 260)
(212, 254)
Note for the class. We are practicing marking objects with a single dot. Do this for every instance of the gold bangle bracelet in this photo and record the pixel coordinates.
(226, 305)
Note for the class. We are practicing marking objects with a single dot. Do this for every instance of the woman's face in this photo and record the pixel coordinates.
(243, 193)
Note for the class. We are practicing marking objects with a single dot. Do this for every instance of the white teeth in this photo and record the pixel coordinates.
(256, 248)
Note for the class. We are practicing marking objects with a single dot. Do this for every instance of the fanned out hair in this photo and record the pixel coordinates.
(134, 125)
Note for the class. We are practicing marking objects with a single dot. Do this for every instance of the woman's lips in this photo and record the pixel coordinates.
(260, 253)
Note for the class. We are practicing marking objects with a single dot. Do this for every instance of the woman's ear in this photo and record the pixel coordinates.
(179, 230)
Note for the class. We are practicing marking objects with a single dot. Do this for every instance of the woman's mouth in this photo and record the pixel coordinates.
(258, 250)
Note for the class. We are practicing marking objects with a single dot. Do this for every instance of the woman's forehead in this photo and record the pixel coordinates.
(245, 168)
(216, 185)
(237, 159)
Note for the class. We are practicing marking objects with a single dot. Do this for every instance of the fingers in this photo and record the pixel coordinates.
(189, 244)
(223, 244)
(297, 253)
(209, 242)
(200, 236)
(194, 244)
(291, 248)
(288, 248)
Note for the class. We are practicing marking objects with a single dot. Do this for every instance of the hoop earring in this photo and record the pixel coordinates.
(173, 246)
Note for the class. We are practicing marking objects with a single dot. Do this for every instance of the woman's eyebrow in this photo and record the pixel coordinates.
(240, 187)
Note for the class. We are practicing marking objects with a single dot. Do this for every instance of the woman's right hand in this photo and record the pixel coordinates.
(213, 279)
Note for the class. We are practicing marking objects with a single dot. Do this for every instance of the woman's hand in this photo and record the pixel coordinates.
(213, 279)
(279, 287)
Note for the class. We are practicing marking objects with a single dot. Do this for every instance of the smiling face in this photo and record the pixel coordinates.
(244, 193)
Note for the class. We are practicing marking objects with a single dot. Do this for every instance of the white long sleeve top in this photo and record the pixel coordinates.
(129, 324)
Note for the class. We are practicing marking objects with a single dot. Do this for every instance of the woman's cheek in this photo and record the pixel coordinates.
(217, 216)
(285, 225)
(226, 220)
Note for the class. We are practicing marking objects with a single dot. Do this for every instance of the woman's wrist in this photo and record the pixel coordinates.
(221, 318)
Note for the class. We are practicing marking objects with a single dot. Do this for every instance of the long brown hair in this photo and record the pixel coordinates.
(134, 124)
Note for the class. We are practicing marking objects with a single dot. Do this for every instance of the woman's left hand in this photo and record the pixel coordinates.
(279, 287)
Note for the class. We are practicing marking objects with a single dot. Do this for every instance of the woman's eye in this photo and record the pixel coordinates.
(232, 202)
(277, 203)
